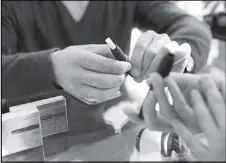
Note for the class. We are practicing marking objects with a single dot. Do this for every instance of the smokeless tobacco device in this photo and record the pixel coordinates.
(117, 52)
(164, 69)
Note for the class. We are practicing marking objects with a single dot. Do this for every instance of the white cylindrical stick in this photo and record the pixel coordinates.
(110, 43)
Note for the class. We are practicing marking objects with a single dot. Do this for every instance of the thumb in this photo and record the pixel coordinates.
(133, 115)
(181, 57)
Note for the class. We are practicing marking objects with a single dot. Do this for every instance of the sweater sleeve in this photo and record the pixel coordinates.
(23, 74)
(166, 17)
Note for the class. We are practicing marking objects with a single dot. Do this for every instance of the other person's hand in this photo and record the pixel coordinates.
(150, 48)
(209, 112)
(89, 71)
(179, 86)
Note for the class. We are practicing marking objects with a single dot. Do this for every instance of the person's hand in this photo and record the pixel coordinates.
(89, 71)
(179, 86)
(209, 112)
(148, 51)
(187, 81)
(161, 120)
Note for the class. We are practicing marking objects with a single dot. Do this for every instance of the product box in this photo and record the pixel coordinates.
(20, 131)
(54, 128)
(33, 125)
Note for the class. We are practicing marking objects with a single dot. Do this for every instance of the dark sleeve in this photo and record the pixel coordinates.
(166, 17)
(23, 74)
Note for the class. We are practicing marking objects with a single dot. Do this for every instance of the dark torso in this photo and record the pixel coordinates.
(42, 25)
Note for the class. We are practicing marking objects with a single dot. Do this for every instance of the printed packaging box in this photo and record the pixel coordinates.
(34, 125)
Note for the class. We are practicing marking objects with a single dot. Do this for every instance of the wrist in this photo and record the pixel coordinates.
(52, 72)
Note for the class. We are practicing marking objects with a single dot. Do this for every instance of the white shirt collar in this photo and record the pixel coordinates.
(77, 9)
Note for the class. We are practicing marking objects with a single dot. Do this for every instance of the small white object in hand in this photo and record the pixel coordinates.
(110, 43)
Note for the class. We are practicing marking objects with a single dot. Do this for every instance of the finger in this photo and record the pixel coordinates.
(133, 115)
(186, 83)
(202, 137)
(99, 49)
(163, 124)
(220, 83)
(148, 109)
(98, 63)
(214, 99)
(160, 124)
(179, 103)
(151, 52)
(151, 118)
(191, 141)
(190, 157)
(138, 51)
(88, 92)
(164, 50)
(98, 80)
(158, 86)
(186, 80)
(203, 116)
(181, 57)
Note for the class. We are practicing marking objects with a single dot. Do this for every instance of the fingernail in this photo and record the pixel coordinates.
(139, 79)
(128, 66)
(148, 81)
(126, 110)
(172, 46)
(153, 75)
(185, 47)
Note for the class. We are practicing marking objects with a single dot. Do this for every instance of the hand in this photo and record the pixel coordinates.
(179, 86)
(187, 82)
(89, 71)
(150, 49)
(161, 121)
(209, 111)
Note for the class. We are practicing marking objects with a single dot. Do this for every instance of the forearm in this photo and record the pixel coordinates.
(27, 74)
(166, 17)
